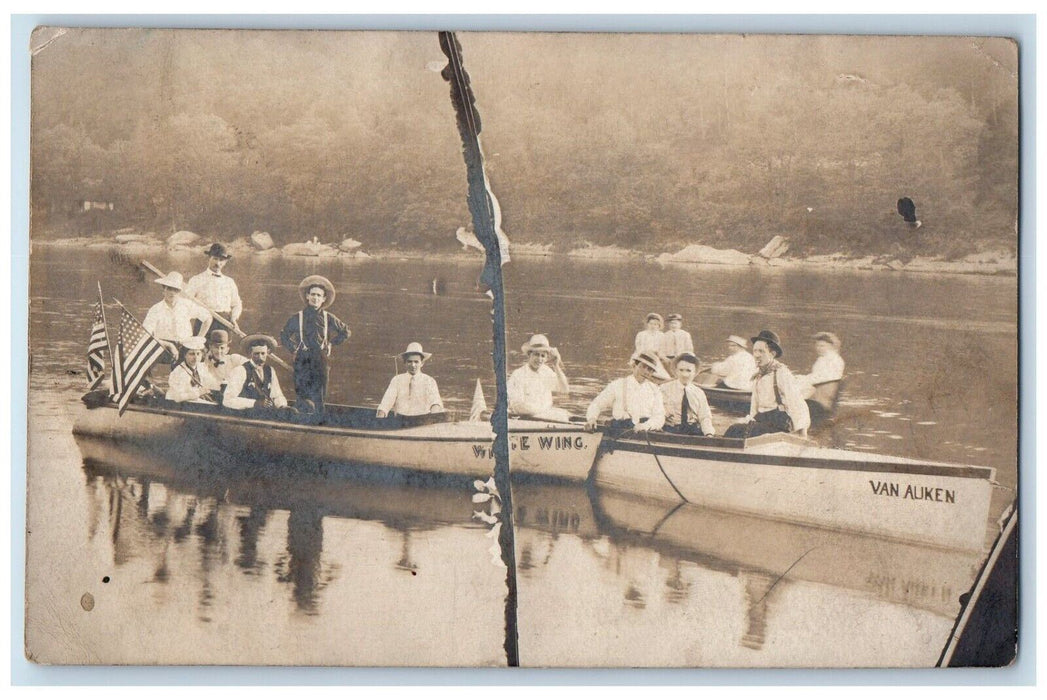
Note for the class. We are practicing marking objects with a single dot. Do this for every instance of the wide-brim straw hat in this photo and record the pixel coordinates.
(193, 342)
(217, 250)
(651, 362)
(254, 339)
(772, 340)
(415, 349)
(318, 281)
(688, 357)
(739, 341)
(174, 280)
(654, 316)
(538, 342)
(828, 337)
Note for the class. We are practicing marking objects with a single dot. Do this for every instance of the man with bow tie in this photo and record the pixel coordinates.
(191, 380)
(215, 290)
(254, 384)
(686, 407)
(220, 362)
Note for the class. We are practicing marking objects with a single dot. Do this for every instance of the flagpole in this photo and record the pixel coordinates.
(105, 325)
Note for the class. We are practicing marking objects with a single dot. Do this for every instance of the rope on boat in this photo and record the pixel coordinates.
(662, 469)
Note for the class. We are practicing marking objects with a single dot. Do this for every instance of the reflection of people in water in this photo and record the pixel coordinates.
(251, 526)
(758, 587)
(305, 543)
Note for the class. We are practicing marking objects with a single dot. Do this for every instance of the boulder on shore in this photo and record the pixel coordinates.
(775, 248)
(349, 245)
(313, 249)
(697, 253)
(182, 238)
(261, 240)
(135, 238)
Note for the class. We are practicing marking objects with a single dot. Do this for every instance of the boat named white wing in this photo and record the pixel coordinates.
(782, 476)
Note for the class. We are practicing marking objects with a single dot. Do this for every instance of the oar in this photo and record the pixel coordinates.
(218, 317)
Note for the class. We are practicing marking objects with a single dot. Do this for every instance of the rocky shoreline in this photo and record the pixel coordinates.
(773, 255)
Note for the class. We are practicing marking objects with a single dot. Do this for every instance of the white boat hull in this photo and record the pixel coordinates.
(790, 479)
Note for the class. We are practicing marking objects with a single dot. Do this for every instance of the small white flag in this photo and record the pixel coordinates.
(479, 404)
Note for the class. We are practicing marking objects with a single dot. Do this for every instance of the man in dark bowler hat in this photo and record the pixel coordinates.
(216, 290)
(777, 405)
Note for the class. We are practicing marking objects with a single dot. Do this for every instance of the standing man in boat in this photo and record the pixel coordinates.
(737, 370)
(649, 340)
(530, 388)
(220, 362)
(309, 334)
(191, 380)
(412, 393)
(634, 401)
(675, 340)
(776, 406)
(215, 290)
(171, 320)
(686, 407)
(254, 384)
(827, 368)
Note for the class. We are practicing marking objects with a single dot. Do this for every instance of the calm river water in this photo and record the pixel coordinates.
(189, 566)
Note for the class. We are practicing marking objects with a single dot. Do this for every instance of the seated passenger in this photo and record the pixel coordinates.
(254, 384)
(411, 393)
(686, 408)
(190, 380)
(776, 405)
(737, 370)
(219, 360)
(650, 339)
(634, 401)
(827, 368)
(530, 388)
(675, 340)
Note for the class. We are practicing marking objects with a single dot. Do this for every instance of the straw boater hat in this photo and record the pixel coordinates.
(172, 280)
(217, 250)
(193, 342)
(771, 338)
(830, 338)
(739, 341)
(674, 317)
(655, 316)
(652, 362)
(256, 339)
(415, 349)
(218, 336)
(538, 342)
(317, 281)
(688, 356)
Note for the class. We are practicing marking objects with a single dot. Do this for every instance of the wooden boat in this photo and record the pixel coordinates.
(345, 435)
(788, 478)
(822, 405)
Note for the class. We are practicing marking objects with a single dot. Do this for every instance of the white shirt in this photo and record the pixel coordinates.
(827, 368)
(174, 322)
(737, 370)
(764, 398)
(649, 341)
(676, 341)
(629, 399)
(231, 396)
(697, 405)
(229, 363)
(411, 395)
(182, 387)
(216, 291)
(531, 392)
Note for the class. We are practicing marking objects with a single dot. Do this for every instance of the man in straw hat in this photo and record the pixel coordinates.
(530, 388)
(254, 384)
(827, 368)
(776, 405)
(191, 380)
(171, 321)
(650, 338)
(634, 401)
(214, 289)
(737, 370)
(411, 393)
(686, 407)
(310, 334)
(675, 340)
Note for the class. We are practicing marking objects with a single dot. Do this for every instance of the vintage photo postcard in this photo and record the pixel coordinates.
(486, 349)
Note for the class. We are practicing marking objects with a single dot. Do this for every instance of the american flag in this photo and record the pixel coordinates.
(131, 366)
(96, 348)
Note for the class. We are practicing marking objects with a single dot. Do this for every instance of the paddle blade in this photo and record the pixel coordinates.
(479, 404)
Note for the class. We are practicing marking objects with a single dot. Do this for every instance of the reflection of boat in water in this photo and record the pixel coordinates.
(788, 478)
(346, 435)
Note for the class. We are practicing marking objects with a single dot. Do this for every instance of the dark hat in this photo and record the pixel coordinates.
(688, 356)
(830, 338)
(771, 338)
(674, 317)
(218, 336)
(217, 250)
(317, 281)
(258, 339)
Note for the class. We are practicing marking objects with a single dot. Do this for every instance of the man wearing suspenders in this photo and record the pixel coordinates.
(309, 335)
(776, 406)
